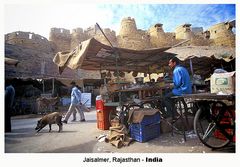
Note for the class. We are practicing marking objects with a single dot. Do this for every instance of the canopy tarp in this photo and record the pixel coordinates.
(93, 55)
(214, 52)
(205, 58)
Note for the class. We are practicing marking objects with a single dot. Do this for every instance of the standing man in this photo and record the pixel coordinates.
(182, 84)
(75, 103)
(9, 99)
(82, 107)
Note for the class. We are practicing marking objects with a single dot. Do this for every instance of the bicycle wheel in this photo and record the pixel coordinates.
(206, 125)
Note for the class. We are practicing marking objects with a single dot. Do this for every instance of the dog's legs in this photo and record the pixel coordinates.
(50, 127)
(59, 120)
(60, 126)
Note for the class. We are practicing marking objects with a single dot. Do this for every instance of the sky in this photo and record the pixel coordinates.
(40, 18)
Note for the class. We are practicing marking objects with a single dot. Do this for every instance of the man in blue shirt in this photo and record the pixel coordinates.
(82, 107)
(181, 81)
(75, 103)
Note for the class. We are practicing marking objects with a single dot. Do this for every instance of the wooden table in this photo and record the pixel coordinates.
(143, 92)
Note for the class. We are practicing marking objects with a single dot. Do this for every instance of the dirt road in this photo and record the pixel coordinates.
(81, 137)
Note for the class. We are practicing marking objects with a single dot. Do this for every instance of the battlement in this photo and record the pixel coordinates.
(110, 34)
(61, 38)
(184, 31)
(109, 31)
(130, 37)
(220, 29)
(29, 40)
(133, 38)
(128, 19)
(60, 32)
(91, 31)
(25, 35)
(156, 28)
(222, 34)
(157, 36)
(128, 27)
(77, 31)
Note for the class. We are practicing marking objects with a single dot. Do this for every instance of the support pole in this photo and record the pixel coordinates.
(116, 53)
(43, 86)
(191, 68)
(53, 86)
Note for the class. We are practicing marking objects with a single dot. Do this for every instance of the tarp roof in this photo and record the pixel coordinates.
(205, 58)
(208, 52)
(93, 55)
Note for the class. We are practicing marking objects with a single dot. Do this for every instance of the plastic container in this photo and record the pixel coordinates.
(143, 133)
(99, 105)
(103, 114)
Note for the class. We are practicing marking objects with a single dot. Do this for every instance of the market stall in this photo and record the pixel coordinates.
(93, 55)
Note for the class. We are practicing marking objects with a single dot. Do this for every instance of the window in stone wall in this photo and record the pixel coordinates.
(30, 36)
(215, 32)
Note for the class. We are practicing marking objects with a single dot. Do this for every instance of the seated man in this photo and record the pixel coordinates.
(182, 85)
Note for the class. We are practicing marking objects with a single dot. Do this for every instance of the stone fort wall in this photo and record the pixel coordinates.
(36, 51)
(61, 38)
(29, 40)
(133, 38)
(129, 36)
(222, 34)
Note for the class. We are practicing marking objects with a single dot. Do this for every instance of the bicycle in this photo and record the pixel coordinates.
(214, 124)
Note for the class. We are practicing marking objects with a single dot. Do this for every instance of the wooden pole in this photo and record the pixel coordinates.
(53, 86)
(43, 86)
(116, 53)
(191, 67)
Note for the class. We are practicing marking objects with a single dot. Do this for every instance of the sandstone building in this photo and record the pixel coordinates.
(38, 52)
(131, 37)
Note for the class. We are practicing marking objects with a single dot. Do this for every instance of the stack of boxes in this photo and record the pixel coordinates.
(147, 129)
(103, 114)
(224, 83)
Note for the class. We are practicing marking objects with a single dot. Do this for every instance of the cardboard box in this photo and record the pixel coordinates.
(223, 82)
